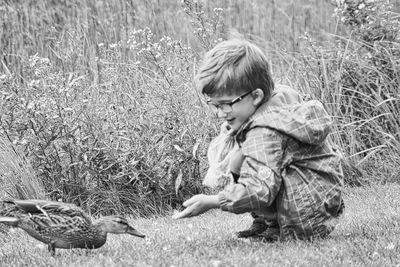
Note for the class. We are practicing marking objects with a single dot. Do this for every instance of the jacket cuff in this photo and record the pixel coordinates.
(223, 202)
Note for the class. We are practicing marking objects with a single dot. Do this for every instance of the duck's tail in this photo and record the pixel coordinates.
(11, 221)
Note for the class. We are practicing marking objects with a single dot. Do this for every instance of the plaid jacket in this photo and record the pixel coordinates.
(290, 168)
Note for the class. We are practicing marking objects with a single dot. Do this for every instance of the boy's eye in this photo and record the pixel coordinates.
(223, 107)
(218, 105)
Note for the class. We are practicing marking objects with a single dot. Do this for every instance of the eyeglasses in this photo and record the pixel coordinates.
(226, 107)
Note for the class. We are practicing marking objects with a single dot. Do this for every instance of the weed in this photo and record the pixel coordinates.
(103, 106)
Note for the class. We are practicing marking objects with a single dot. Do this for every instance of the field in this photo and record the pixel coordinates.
(366, 236)
(98, 108)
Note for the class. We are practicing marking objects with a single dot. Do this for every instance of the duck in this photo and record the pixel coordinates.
(62, 225)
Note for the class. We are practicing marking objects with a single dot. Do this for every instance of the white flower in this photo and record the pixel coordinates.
(339, 2)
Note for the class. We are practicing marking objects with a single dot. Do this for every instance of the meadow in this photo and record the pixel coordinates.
(98, 108)
(366, 236)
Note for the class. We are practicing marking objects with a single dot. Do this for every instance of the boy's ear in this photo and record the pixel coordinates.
(258, 96)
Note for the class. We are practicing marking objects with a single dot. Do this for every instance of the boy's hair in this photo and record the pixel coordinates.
(233, 67)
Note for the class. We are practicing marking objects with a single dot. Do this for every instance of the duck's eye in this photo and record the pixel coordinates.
(122, 222)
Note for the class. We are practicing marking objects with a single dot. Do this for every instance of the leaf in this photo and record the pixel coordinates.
(183, 134)
(178, 181)
(71, 83)
(195, 150)
(178, 148)
(134, 162)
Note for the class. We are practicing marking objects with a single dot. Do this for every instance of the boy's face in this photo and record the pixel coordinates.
(236, 109)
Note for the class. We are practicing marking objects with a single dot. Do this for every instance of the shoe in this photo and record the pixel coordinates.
(272, 234)
(255, 229)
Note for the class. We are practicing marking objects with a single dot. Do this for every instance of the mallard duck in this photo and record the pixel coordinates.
(62, 225)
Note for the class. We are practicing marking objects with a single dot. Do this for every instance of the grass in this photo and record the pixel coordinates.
(104, 110)
(79, 111)
(367, 236)
(16, 174)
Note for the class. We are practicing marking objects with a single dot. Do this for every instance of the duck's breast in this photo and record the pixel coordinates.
(79, 239)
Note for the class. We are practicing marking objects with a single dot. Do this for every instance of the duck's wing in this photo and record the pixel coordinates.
(59, 224)
(51, 209)
(28, 206)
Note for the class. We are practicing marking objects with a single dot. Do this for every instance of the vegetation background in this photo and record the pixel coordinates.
(97, 105)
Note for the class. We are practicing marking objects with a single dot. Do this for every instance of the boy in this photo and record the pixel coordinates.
(290, 178)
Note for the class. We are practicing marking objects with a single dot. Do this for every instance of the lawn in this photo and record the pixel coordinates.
(367, 236)
(97, 107)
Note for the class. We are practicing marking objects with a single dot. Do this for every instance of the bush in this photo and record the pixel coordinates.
(111, 122)
(131, 144)
(17, 177)
(357, 78)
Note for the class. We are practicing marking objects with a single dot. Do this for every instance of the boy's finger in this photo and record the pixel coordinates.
(177, 216)
(182, 214)
(189, 202)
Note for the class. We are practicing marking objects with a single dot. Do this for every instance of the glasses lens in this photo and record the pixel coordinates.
(225, 108)
(213, 107)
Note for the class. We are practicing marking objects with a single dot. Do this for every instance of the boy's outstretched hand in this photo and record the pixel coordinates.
(197, 205)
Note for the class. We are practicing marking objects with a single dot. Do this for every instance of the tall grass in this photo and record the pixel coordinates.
(69, 32)
(99, 97)
(358, 80)
(17, 177)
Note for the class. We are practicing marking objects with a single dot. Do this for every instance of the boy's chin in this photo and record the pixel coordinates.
(232, 127)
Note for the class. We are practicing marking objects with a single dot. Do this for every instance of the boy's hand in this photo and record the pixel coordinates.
(197, 205)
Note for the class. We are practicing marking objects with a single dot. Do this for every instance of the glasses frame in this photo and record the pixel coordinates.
(227, 107)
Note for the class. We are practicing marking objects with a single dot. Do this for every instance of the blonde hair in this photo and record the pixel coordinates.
(233, 67)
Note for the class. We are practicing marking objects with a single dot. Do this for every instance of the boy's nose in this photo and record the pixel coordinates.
(221, 114)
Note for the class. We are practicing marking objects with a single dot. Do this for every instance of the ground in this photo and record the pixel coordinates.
(368, 235)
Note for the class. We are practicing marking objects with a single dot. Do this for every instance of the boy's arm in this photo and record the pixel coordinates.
(260, 178)
(197, 205)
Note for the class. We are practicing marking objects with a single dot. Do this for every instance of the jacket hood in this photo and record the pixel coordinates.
(307, 122)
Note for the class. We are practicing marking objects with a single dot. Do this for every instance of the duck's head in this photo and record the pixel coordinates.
(117, 225)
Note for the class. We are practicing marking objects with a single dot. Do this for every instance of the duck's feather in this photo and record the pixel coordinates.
(55, 212)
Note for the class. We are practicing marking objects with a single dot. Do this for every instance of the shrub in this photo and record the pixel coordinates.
(17, 177)
(132, 144)
(357, 78)
(111, 122)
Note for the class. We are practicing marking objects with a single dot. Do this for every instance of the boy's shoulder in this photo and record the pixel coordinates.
(284, 95)
(286, 114)
(283, 99)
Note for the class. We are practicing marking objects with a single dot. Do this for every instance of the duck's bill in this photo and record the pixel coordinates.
(133, 231)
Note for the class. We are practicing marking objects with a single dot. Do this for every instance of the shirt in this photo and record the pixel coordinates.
(289, 165)
(220, 154)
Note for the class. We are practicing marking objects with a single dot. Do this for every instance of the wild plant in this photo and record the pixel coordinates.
(357, 78)
(130, 145)
(104, 109)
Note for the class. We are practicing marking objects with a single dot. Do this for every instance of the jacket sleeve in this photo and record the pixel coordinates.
(260, 177)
